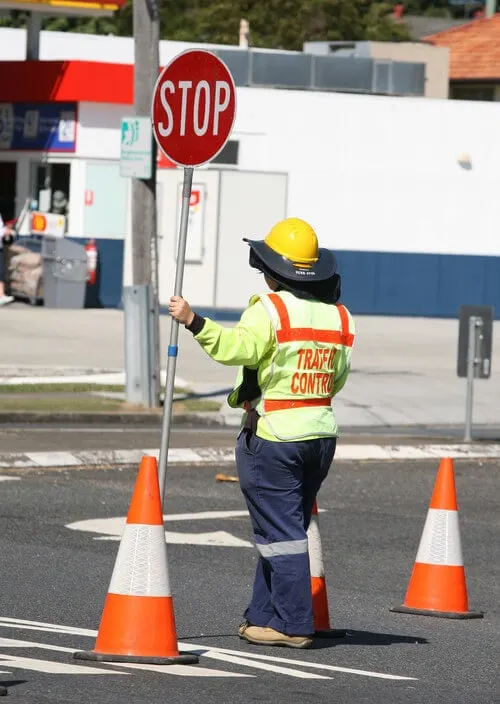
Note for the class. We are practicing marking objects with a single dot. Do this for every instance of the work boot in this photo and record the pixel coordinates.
(259, 635)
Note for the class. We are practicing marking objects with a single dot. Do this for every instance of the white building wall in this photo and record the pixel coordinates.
(77, 198)
(99, 130)
(371, 173)
(65, 46)
(382, 174)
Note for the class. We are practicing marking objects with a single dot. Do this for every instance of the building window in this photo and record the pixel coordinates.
(229, 155)
(473, 92)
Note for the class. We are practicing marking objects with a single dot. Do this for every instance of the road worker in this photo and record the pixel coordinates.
(293, 346)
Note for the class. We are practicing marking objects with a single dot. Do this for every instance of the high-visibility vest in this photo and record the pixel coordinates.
(297, 383)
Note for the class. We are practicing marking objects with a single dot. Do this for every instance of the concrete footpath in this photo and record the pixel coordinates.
(404, 369)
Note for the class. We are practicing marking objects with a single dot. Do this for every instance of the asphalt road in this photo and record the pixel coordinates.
(47, 437)
(54, 579)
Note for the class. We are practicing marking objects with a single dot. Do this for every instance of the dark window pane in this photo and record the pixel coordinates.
(228, 155)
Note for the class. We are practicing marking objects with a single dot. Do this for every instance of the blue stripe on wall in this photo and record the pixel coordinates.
(373, 283)
(429, 285)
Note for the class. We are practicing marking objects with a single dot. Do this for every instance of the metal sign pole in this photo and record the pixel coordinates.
(471, 359)
(174, 332)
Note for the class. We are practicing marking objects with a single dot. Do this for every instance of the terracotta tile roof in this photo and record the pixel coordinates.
(474, 49)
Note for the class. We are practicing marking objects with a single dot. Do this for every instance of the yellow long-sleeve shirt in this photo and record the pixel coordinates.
(252, 343)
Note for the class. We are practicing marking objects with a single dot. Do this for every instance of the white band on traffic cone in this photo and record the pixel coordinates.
(141, 567)
(440, 542)
(315, 548)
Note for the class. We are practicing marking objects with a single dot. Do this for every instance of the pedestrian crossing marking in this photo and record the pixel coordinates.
(288, 667)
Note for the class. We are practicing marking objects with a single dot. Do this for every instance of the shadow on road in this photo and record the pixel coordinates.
(6, 684)
(370, 638)
(351, 638)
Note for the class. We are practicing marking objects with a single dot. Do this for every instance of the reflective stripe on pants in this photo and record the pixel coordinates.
(279, 481)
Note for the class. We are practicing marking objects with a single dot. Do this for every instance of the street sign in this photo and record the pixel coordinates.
(193, 109)
(483, 348)
(475, 335)
(136, 147)
(194, 105)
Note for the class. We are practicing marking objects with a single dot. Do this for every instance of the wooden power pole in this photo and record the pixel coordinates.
(145, 355)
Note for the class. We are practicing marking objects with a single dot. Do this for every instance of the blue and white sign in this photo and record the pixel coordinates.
(136, 151)
(43, 127)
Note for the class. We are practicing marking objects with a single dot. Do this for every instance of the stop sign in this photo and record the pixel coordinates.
(194, 105)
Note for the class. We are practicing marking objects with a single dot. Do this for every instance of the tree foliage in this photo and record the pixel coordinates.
(277, 24)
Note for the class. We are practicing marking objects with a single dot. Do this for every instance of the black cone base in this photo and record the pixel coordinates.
(438, 614)
(187, 659)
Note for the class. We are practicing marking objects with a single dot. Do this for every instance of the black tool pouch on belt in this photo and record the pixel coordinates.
(249, 391)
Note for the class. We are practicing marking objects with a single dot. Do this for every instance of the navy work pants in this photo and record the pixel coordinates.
(279, 481)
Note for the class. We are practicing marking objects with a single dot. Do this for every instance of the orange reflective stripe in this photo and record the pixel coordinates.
(278, 303)
(310, 335)
(344, 320)
(275, 405)
(288, 334)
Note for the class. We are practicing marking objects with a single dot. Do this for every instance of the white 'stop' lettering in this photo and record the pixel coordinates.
(200, 118)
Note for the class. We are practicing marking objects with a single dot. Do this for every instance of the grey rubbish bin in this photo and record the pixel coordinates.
(64, 273)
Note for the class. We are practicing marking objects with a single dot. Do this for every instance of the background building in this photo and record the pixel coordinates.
(474, 58)
(403, 189)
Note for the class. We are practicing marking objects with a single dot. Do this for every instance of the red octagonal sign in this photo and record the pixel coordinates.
(194, 105)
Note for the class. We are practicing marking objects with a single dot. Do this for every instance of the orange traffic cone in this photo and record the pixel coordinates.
(437, 585)
(318, 583)
(138, 623)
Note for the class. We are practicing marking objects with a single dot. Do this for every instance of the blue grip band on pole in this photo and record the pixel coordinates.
(172, 350)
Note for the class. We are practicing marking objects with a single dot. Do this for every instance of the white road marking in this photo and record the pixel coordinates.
(15, 643)
(112, 529)
(53, 667)
(217, 456)
(4, 478)
(21, 624)
(185, 670)
(347, 451)
(203, 649)
(242, 660)
(304, 663)
(415, 452)
(53, 459)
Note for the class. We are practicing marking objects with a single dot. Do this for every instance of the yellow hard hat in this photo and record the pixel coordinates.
(291, 251)
(294, 239)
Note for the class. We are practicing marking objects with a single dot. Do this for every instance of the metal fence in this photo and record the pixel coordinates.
(325, 73)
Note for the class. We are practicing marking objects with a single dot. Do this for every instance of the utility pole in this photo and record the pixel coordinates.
(142, 335)
(146, 68)
(491, 6)
(33, 29)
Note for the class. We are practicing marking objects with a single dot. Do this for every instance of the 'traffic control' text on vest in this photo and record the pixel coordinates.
(311, 341)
